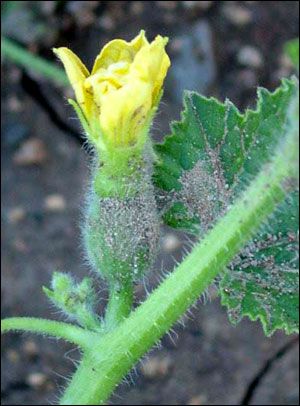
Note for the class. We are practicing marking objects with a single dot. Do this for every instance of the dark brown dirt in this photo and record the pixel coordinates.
(211, 362)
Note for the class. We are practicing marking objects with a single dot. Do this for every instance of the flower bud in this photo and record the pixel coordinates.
(119, 97)
(76, 300)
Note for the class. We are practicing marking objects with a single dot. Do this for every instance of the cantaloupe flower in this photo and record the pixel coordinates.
(118, 98)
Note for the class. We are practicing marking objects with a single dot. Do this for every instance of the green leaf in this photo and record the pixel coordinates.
(212, 154)
(263, 282)
(203, 167)
(292, 50)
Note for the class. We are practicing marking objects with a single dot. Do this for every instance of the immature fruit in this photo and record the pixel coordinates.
(121, 233)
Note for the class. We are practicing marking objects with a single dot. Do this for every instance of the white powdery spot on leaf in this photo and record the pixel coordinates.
(202, 194)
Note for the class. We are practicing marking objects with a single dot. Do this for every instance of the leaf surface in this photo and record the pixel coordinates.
(208, 160)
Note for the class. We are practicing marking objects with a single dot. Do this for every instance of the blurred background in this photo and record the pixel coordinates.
(219, 48)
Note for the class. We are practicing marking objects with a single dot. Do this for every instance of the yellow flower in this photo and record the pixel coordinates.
(119, 97)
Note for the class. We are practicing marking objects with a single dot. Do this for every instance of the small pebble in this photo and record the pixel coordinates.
(14, 104)
(20, 246)
(176, 44)
(30, 349)
(48, 7)
(169, 17)
(55, 202)
(31, 152)
(281, 73)
(50, 387)
(235, 14)
(85, 18)
(16, 214)
(250, 56)
(12, 356)
(292, 236)
(82, 12)
(170, 242)
(137, 7)
(286, 62)
(197, 400)
(107, 22)
(37, 380)
(14, 74)
(68, 93)
(156, 367)
(247, 78)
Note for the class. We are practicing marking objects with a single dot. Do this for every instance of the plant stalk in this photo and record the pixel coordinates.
(119, 305)
(26, 59)
(114, 354)
(66, 331)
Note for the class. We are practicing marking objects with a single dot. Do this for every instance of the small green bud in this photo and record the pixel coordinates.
(76, 300)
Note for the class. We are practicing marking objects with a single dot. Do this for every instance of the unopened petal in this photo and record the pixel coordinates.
(121, 94)
(77, 73)
(151, 64)
(124, 113)
(115, 51)
(139, 41)
(119, 50)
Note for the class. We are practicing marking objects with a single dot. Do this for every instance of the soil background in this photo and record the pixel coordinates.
(219, 48)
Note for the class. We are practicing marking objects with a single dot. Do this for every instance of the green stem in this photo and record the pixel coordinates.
(119, 305)
(28, 60)
(52, 328)
(114, 354)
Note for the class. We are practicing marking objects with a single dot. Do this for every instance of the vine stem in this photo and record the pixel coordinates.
(110, 357)
(28, 60)
(69, 332)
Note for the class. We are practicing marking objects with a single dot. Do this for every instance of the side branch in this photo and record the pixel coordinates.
(68, 332)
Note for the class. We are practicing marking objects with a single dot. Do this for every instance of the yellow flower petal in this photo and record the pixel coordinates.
(124, 112)
(119, 50)
(139, 41)
(152, 63)
(119, 97)
(77, 73)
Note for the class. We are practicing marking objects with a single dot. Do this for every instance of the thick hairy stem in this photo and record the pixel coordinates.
(106, 363)
(66, 331)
